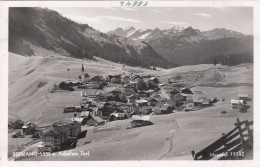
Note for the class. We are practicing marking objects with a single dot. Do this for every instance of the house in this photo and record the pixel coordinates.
(129, 110)
(187, 98)
(85, 78)
(163, 109)
(145, 110)
(18, 124)
(237, 104)
(186, 91)
(202, 102)
(141, 103)
(244, 97)
(29, 129)
(110, 77)
(155, 80)
(206, 102)
(141, 120)
(107, 109)
(96, 82)
(132, 98)
(85, 114)
(132, 83)
(129, 90)
(171, 102)
(213, 100)
(81, 120)
(173, 93)
(152, 102)
(116, 80)
(101, 98)
(60, 136)
(178, 97)
(117, 115)
(95, 121)
(143, 94)
(198, 102)
(125, 79)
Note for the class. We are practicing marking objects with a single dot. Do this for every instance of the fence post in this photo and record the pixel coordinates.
(249, 131)
(240, 132)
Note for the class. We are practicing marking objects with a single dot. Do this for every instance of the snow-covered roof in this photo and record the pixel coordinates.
(234, 101)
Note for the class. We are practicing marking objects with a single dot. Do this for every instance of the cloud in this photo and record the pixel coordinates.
(203, 15)
(120, 19)
(97, 19)
(109, 8)
(156, 11)
(83, 19)
(174, 22)
(129, 8)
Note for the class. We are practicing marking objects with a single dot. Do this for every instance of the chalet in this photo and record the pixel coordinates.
(85, 114)
(95, 121)
(125, 79)
(173, 93)
(171, 102)
(85, 78)
(186, 91)
(117, 115)
(237, 104)
(141, 103)
(202, 102)
(60, 136)
(187, 98)
(163, 109)
(213, 100)
(132, 83)
(96, 82)
(132, 98)
(18, 124)
(198, 102)
(206, 102)
(244, 97)
(155, 80)
(29, 129)
(81, 120)
(69, 109)
(128, 90)
(107, 109)
(130, 110)
(116, 80)
(110, 77)
(101, 98)
(152, 102)
(178, 97)
(143, 94)
(134, 77)
(145, 110)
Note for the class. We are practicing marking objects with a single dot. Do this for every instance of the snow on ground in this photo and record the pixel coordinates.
(172, 136)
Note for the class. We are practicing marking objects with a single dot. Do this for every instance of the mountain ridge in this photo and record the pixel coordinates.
(50, 30)
(187, 46)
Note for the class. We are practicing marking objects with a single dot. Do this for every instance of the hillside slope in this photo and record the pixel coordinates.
(50, 30)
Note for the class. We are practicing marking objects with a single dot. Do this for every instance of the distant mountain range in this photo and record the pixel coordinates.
(161, 48)
(185, 46)
(50, 30)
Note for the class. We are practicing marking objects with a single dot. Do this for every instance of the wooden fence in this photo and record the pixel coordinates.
(233, 145)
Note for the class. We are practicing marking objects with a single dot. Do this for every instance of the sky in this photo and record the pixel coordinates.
(105, 19)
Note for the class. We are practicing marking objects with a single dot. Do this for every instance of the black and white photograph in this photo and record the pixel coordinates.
(130, 83)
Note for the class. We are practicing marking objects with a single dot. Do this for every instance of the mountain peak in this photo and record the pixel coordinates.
(129, 28)
(191, 31)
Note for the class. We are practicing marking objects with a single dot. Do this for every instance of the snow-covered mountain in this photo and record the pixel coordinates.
(191, 46)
